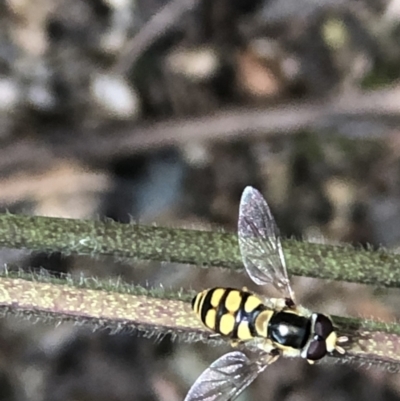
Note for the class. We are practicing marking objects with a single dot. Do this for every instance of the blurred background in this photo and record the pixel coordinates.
(163, 111)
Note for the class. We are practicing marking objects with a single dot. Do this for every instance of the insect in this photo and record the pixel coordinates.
(272, 326)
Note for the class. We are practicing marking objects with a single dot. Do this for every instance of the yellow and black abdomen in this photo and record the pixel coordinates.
(229, 312)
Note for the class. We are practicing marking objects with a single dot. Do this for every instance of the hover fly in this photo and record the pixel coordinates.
(272, 326)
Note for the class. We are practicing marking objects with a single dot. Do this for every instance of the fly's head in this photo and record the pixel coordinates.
(323, 339)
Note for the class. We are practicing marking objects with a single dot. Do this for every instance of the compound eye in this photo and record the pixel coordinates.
(323, 326)
(316, 350)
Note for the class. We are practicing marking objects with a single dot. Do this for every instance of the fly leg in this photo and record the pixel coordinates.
(235, 343)
(265, 345)
(271, 357)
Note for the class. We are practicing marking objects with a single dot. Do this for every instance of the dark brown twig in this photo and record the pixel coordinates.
(162, 22)
(105, 143)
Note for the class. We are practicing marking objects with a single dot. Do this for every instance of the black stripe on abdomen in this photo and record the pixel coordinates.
(240, 314)
(206, 306)
(221, 309)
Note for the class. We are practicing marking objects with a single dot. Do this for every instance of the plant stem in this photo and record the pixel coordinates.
(117, 306)
(201, 248)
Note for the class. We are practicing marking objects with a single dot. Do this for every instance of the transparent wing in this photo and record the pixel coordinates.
(226, 378)
(260, 244)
